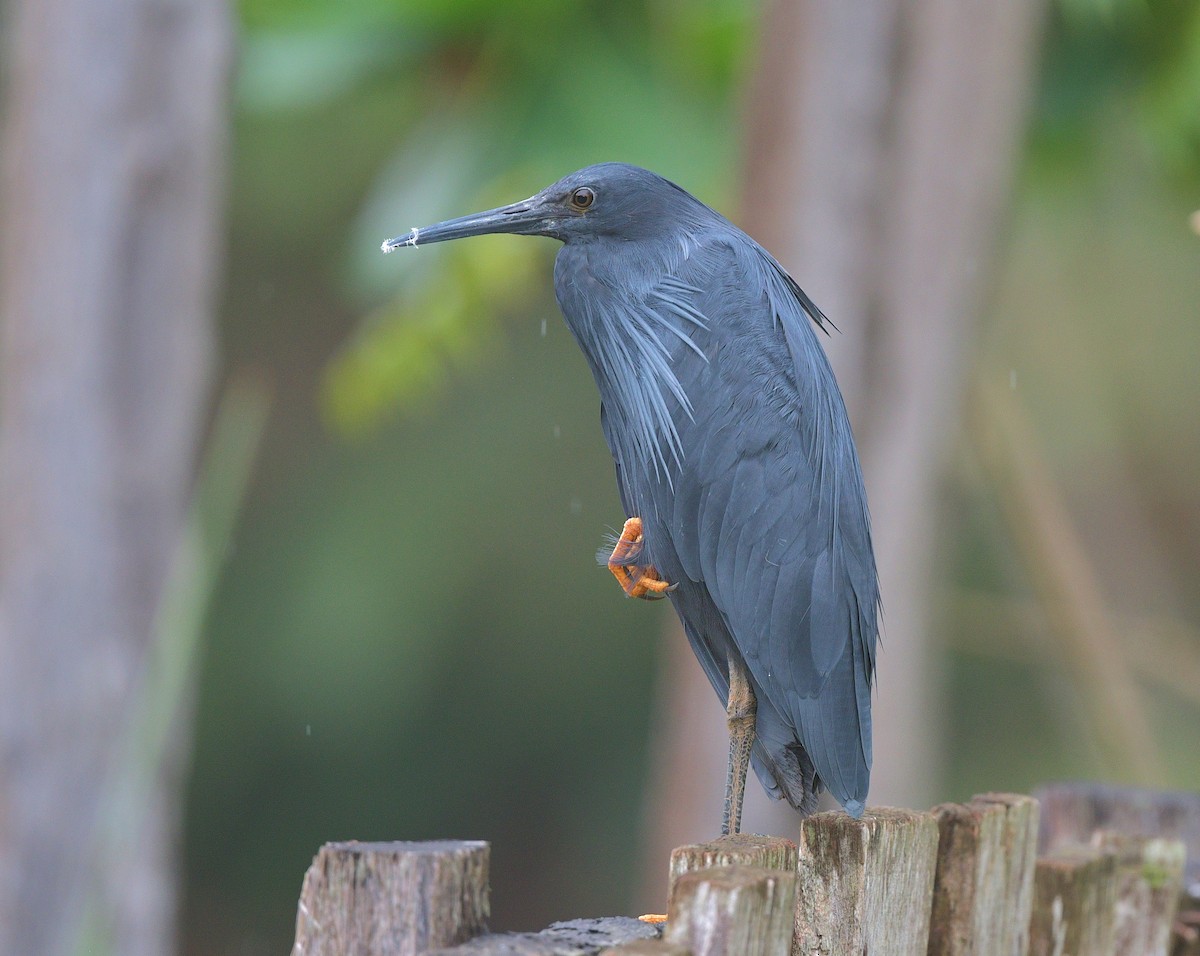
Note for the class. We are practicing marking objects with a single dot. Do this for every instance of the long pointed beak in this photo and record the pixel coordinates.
(525, 217)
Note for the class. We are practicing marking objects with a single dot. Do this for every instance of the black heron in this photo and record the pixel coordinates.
(735, 463)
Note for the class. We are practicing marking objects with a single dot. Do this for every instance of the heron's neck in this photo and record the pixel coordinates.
(608, 298)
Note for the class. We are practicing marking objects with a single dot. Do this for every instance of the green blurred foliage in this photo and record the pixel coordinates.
(497, 115)
(411, 638)
(1139, 58)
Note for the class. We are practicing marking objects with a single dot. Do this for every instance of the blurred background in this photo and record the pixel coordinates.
(298, 541)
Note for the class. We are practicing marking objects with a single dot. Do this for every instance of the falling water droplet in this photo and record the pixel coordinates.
(543, 328)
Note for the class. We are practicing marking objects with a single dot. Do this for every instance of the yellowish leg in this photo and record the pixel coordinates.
(740, 714)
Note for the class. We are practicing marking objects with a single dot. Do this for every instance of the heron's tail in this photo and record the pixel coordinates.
(824, 742)
(785, 769)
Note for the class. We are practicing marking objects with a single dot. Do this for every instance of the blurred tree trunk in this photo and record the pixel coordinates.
(881, 139)
(113, 145)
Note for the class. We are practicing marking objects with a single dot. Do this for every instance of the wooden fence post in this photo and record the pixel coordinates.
(1072, 812)
(866, 886)
(1076, 812)
(1074, 903)
(961, 880)
(983, 891)
(1149, 884)
(392, 899)
(733, 911)
(740, 849)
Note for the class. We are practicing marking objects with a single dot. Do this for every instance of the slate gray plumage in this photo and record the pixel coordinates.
(731, 442)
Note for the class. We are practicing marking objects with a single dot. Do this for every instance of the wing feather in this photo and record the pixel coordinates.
(770, 512)
(761, 516)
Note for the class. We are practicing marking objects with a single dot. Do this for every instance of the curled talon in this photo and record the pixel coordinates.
(636, 580)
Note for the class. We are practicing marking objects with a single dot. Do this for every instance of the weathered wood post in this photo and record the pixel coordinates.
(983, 891)
(719, 891)
(392, 899)
(866, 886)
(740, 849)
(1149, 885)
(733, 911)
(1074, 903)
(1080, 812)
(1073, 812)
(961, 880)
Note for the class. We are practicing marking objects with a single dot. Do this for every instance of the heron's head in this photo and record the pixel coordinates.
(608, 200)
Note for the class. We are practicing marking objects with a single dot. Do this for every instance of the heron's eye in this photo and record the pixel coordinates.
(582, 197)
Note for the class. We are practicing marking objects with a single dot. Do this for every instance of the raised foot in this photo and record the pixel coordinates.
(636, 580)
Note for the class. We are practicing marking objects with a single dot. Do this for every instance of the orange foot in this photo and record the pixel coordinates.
(639, 581)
